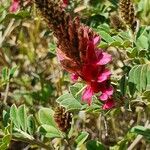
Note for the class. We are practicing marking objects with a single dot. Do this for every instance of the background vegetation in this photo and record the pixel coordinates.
(33, 84)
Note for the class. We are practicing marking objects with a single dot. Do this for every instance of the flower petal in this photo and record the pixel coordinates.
(91, 55)
(96, 40)
(104, 75)
(103, 97)
(109, 91)
(109, 104)
(87, 95)
(14, 6)
(74, 77)
(103, 58)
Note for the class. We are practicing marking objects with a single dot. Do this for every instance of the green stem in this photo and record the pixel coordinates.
(80, 91)
(32, 142)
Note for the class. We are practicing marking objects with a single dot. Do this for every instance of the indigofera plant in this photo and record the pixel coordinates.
(103, 103)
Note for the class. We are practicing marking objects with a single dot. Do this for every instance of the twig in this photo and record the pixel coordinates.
(2, 56)
(7, 31)
(32, 142)
(138, 138)
(105, 126)
(6, 93)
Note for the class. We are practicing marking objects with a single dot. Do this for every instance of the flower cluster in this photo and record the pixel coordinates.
(78, 53)
(91, 68)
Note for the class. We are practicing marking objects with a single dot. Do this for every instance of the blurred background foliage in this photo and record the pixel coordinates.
(33, 84)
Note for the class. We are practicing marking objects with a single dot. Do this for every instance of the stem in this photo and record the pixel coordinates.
(105, 126)
(80, 91)
(7, 31)
(2, 56)
(138, 138)
(6, 93)
(32, 142)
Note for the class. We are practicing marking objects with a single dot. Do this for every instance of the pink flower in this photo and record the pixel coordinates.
(88, 62)
(14, 6)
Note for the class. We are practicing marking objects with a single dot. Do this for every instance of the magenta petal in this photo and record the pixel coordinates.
(104, 58)
(109, 104)
(14, 6)
(104, 75)
(96, 40)
(87, 95)
(103, 97)
(109, 91)
(74, 77)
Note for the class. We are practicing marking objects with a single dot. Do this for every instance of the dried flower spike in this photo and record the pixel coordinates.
(127, 13)
(63, 119)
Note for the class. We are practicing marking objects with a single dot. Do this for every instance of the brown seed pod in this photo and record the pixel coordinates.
(116, 22)
(127, 13)
(63, 119)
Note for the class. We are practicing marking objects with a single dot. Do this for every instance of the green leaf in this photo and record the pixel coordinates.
(123, 85)
(50, 131)
(139, 77)
(5, 142)
(7, 139)
(45, 116)
(105, 36)
(140, 32)
(6, 117)
(115, 43)
(142, 53)
(93, 108)
(22, 117)
(124, 35)
(69, 102)
(104, 27)
(103, 44)
(76, 90)
(118, 38)
(131, 80)
(81, 138)
(126, 43)
(5, 73)
(12, 71)
(94, 145)
(3, 146)
(31, 125)
(148, 77)
(19, 15)
(146, 95)
(143, 77)
(14, 115)
(142, 131)
(142, 42)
